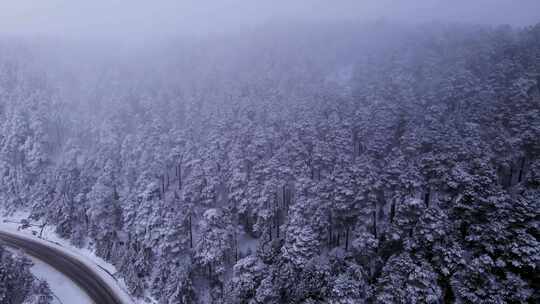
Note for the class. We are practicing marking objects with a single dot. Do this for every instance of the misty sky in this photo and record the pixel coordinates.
(142, 18)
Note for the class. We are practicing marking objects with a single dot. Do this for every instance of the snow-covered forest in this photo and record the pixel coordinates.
(341, 163)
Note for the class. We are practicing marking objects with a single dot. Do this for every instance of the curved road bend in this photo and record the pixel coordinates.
(83, 276)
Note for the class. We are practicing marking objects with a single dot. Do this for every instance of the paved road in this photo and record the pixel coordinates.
(79, 273)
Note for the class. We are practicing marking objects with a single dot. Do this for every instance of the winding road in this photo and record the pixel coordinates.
(86, 278)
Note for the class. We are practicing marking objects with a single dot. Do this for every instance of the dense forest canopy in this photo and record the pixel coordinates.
(339, 163)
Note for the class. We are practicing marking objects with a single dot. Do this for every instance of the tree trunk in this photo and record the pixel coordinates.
(448, 293)
(510, 176)
(330, 236)
(347, 238)
(190, 233)
(374, 222)
(284, 195)
(163, 184)
(427, 197)
(236, 243)
(392, 211)
(179, 177)
(276, 214)
(41, 231)
(277, 225)
(521, 168)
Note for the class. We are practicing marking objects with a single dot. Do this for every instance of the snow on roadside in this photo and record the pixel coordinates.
(105, 270)
(61, 286)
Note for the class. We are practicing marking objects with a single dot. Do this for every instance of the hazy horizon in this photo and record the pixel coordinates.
(140, 20)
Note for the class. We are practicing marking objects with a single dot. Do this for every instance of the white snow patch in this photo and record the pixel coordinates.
(246, 244)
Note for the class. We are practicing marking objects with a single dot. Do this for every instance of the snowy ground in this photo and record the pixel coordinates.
(11, 224)
(63, 288)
